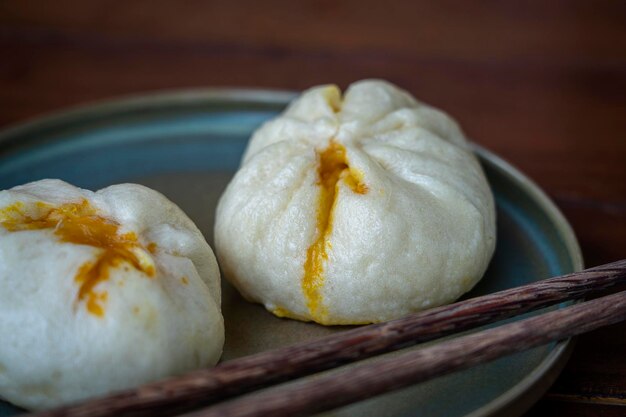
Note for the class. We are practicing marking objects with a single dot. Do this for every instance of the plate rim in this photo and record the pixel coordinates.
(518, 398)
(147, 100)
(534, 384)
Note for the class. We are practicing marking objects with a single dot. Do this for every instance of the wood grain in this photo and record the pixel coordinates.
(543, 84)
(327, 392)
(253, 372)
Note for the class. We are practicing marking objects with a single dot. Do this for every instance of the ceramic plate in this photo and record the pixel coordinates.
(188, 145)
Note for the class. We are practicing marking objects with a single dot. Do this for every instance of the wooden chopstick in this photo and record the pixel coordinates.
(252, 372)
(364, 381)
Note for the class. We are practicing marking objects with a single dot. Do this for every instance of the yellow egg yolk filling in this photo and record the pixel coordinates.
(332, 167)
(80, 224)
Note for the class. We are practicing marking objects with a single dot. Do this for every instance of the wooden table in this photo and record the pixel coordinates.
(542, 84)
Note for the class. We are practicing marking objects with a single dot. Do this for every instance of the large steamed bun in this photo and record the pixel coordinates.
(100, 292)
(356, 209)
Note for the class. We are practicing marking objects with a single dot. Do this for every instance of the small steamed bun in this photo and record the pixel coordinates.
(100, 292)
(356, 209)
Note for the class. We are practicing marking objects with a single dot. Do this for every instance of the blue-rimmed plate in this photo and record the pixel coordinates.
(188, 144)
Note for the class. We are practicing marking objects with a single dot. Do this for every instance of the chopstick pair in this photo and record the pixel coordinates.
(306, 397)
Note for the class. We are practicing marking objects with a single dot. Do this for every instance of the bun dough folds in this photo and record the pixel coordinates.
(100, 292)
(356, 209)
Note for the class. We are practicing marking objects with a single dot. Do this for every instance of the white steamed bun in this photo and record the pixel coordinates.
(356, 209)
(100, 292)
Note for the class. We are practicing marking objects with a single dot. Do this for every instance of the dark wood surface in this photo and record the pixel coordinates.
(542, 84)
(240, 376)
(325, 392)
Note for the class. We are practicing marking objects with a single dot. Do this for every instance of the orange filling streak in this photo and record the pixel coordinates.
(79, 223)
(333, 167)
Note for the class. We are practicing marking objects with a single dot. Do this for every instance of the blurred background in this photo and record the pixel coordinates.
(542, 84)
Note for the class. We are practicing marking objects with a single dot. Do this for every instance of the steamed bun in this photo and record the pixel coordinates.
(100, 292)
(356, 209)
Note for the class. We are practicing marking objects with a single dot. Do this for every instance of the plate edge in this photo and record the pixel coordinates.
(550, 367)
